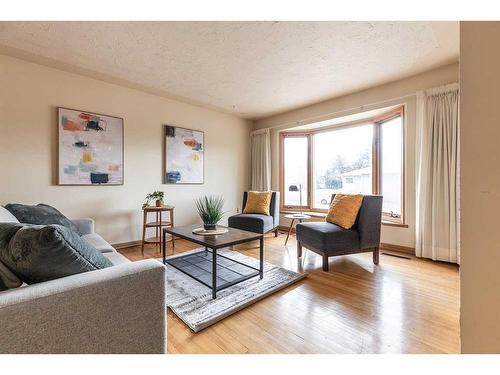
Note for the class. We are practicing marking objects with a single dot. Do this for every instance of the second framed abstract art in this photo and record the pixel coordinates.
(184, 156)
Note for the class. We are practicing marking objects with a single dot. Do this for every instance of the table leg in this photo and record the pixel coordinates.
(214, 274)
(172, 225)
(289, 231)
(164, 248)
(161, 231)
(144, 220)
(156, 232)
(261, 254)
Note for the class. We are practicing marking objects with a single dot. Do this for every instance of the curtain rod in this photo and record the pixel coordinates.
(259, 131)
(328, 116)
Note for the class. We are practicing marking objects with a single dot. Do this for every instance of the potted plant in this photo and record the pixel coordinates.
(210, 210)
(155, 195)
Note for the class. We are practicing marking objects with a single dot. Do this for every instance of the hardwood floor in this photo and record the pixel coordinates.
(400, 306)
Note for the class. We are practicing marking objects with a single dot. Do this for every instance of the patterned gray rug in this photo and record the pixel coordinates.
(192, 302)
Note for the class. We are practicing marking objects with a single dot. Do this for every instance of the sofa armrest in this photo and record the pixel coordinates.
(84, 226)
(119, 309)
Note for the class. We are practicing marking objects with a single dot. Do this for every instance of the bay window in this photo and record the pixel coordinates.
(366, 158)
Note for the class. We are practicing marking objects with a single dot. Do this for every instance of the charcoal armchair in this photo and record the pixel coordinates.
(328, 240)
(258, 223)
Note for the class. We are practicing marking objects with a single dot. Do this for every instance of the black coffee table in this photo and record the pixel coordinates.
(213, 270)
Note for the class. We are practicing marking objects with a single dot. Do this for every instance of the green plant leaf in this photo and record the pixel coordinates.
(155, 195)
(210, 209)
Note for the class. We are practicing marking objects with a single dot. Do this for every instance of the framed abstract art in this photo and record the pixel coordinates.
(90, 148)
(184, 156)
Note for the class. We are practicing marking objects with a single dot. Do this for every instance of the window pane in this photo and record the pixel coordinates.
(342, 163)
(295, 170)
(391, 165)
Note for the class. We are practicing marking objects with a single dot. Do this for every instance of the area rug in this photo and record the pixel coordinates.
(192, 302)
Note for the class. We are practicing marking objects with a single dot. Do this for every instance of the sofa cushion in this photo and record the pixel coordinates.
(6, 216)
(7, 279)
(327, 238)
(116, 258)
(251, 222)
(37, 253)
(98, 242)
(41, 214)
(84, 226)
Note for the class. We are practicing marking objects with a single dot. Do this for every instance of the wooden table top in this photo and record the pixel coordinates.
(232, 237)
(162, 208)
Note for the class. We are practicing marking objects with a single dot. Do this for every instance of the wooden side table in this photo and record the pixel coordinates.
(158, 224)
(299, 217)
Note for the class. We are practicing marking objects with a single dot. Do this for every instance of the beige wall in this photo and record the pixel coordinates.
(480, 187)
(29, 95)
(398, 92)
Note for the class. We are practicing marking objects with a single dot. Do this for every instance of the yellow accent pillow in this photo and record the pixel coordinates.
(344, 209)
(258, 202)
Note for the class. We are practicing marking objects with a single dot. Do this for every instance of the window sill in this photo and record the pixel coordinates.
(323, 214)
(392, 224)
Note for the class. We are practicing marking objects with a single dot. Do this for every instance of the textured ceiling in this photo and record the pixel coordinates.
(251, 69)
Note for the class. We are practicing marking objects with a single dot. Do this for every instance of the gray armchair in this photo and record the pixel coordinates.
(256, 222)
(327, 239)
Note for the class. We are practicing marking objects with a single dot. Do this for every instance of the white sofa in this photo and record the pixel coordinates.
(120, 309)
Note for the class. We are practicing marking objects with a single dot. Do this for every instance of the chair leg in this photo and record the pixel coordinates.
(376, 255)
(299, 249)
(276, 232)
(325, 262)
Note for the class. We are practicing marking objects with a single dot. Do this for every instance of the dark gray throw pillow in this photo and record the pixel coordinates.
(7, 279)
(37, 253)
(41, 214)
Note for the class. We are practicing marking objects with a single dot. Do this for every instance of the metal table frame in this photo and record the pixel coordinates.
(214, 249)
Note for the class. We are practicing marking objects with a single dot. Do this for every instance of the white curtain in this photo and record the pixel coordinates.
(438, 163)
(260, 160)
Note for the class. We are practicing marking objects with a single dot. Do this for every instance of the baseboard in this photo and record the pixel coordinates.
(397, 248)
(124, 245)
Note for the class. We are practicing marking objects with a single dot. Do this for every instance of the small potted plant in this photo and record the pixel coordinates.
(210, 210)
(155, 195)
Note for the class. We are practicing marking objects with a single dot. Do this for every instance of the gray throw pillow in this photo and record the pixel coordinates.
(36, 253)
(7, 279)
(41, 214)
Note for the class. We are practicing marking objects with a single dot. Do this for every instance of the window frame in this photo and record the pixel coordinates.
(376, 161)
(379, 121)
(284, 135)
